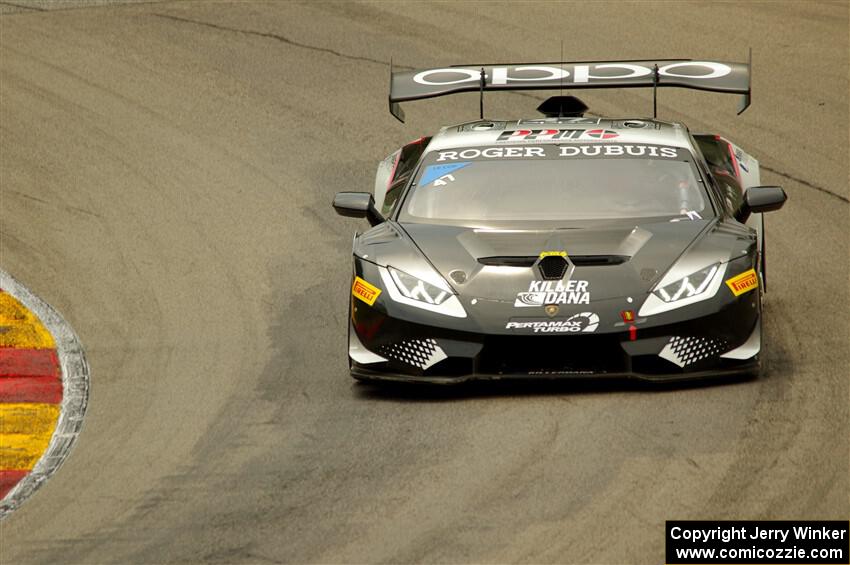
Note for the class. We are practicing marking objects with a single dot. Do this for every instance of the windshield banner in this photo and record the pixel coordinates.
(563, 152)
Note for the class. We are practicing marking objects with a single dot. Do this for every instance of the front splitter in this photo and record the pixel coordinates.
(747, 370)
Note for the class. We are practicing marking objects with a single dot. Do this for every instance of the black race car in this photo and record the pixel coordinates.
(562, 245)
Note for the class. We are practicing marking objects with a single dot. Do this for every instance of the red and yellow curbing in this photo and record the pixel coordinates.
(30, 390)
(44, 390)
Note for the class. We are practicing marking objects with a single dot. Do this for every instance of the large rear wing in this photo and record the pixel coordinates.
(715, 76)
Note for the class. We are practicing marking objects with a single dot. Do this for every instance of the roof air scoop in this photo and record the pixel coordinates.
(562, 107)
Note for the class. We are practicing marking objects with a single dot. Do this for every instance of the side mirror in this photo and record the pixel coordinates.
(357, 205)
(759, 199)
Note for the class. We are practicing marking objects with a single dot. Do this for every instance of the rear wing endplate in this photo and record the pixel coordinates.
(714, 76)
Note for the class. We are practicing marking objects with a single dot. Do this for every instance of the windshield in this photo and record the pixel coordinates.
(574, 182)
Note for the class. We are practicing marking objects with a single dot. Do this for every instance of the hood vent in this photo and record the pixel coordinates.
(578, 260)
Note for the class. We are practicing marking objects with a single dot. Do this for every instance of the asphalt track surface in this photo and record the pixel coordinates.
(167, 171)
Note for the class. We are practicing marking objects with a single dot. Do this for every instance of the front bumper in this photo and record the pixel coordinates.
(726, 342)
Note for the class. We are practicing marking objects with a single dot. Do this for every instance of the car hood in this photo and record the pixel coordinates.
(615, 261)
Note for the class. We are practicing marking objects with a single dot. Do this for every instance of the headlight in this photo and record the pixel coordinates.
(418, 289)
(695, 287)
(435, 296)
(692, 285)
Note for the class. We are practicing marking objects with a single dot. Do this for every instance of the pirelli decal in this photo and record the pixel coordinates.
(745, 282)
(365, 291)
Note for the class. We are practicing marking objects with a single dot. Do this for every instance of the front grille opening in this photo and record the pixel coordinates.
(508, 261)
(553, 267)
(578, 260)
(573, 354)
(598, 260)
(452, 367)
(653, 365)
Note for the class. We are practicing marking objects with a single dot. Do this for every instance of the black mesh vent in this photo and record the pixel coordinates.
(553, 267)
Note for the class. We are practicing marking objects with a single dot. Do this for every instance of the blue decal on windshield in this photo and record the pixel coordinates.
(434, 172)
